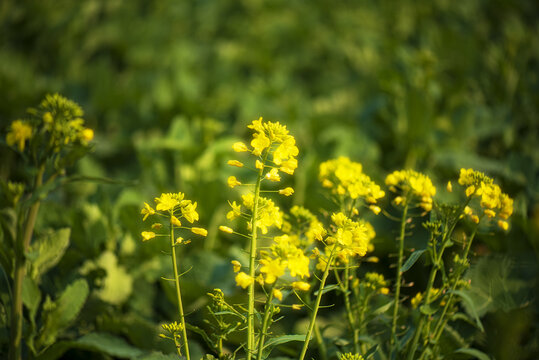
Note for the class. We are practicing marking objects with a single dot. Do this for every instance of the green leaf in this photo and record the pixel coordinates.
(473, 352)
(46, 252)
(427, 309)
(371, 351)
(284, 339)
(58, 315)
(412, 259)
(31, 296)
(470, 307)
(327, 289)
(102, 343)
(382, 309)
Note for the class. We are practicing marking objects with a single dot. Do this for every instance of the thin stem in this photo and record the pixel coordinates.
(178, 293)
(320, 342)
(317, 305)
(252, 258)
(344, 286)
(21, 247)
(263, 330)
(399, 278)
(438, 329)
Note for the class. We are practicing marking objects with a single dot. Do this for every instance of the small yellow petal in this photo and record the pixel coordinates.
(199, 231)
(236, 265)
(235, 163)
(226, 229)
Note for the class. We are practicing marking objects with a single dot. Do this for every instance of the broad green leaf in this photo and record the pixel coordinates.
(31, 296)
(371, 351)
(47, 251)
(283, 339)
(473, 352)
(470, 307)
(58, 315)
(412, 259)
(382, 309)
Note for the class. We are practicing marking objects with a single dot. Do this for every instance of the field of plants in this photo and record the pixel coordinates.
(329, 180)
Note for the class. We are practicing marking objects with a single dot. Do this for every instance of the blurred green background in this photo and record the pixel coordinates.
(169, 85)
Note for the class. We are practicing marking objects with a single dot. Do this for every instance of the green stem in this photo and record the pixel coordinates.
(21, 248)
(178, 293)
(317, 305)
(263, 330)
(438, 329)
(362, 319)
(320, 342)
(399, 278)
(447, 235)
(349, 315)
(252, 268)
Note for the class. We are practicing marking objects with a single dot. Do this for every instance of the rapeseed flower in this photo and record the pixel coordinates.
(18, 134)
(411, 185)
(243, 280)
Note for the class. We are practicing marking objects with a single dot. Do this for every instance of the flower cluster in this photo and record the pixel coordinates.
(303, 227)
(270, 137)
(54, 125)
(350, 356)
(174, 207)
(492, 200)
(411, 185)
(375, 282)
(348, 239)
(345, 177)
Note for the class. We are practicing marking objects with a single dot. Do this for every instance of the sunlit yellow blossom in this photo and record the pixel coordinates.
(273, 268)
(259, 143)
(506, 205)
(199, 231)
(47, 118)
(147, 235)
(147, 211)
(470, 190)
(87, 134)
(296, 306)
(226, 229)
(301, 286)
(235, 163)
(489, 213)
(449, 186)
(298, 264)
(277, 294)
(168, 201)
(412, 185)
(503, 224)
(259, 164)
(289, 166)
(375, 209)
(273, 175)
(286, 191)
(235, 212)
(174, 220)
(240, 147)
(285, 150)
(475, 219)
(157, 226)
(189, 212)
(233, 182)
(179, 240)
(468, 210)
(243, 280)
(18, 134)
(398, 200)
(236, 265)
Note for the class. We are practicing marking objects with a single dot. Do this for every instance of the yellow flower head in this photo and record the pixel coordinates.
(273, 175)
(301, 286)
(412, 185)
(199, 231)
(147, 211)
(240, 147)
(226, 229)
(233, 182)
(235, 163)
(189, 211)
(174, 220)
(236, 265)
(18, 134)
(243, 280)
(277, 294)
(286, 191)
(168, 201)
(147, 235)
(273, 268)
(235, 212)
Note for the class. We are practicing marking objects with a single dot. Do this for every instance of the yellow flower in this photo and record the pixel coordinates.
(259, 164)
(470, 190)
(147, 235)
(298, 264)
(296, 306)
(189, 211)
(157, 226)
(285, 150)
(273, 268)
(199, 231)
(168, 201)
(416, 300)
(233, 182)
(174, 220)
(236, 265)
(489, 213)
(226, 229)
(301, 286)
(375, 209)
(239, 147)
(243, 280)
(475, 219)
(47, 118)
(273, 175)
(19, 133)
(235, 212)
(147, 211)
(503, 224)
(278, 294)
(286, 191)
(412, 184)
(235, 163)
(259, 143)
(449, 186)
(289, 166)
(87, 134)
